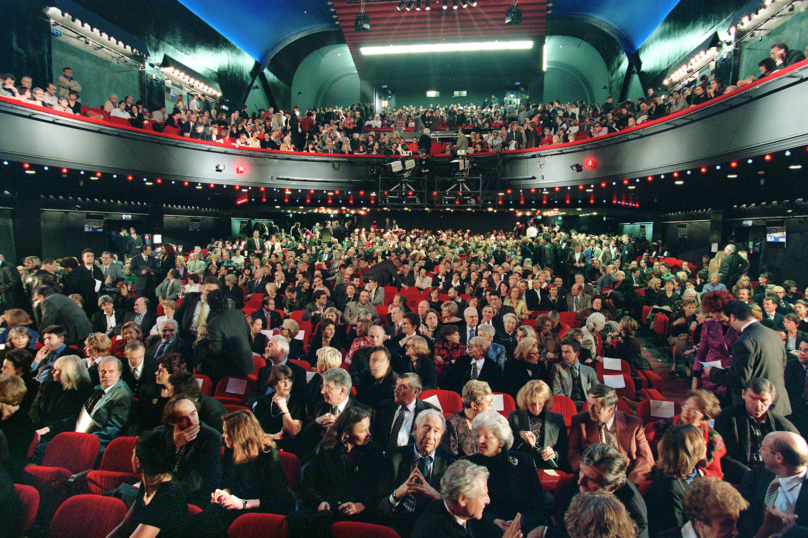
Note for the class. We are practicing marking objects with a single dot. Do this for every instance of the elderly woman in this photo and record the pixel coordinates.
(253, 481)
(548, 339)
(525, 331)
(16, 425)
(59, 400)
(717, 338)
(538, 431)
(458, 437)
(448, 311)
(418, 359)
(595, 323)
(524, 367)
(680, 449)
(698, 410)
(108, 318)
(496, 352)
(15, 318)
(160, 507)
(328, 358)
(712, 508)
(506, 336)
(281, 414)
(18, 362)
(289, 329)
(343, 477)
(233, 291)
(599, 514)
(513, 485)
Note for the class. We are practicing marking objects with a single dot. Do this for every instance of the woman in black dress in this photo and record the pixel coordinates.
(254, 479)
(58, 403)
(280, 414)
(160, 508)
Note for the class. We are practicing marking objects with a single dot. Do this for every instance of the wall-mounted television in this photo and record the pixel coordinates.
(776, 235)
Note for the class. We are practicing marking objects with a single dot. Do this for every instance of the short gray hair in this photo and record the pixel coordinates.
(487, 329)
(104, 299)
(111, 358)
(340, 378)
(423, 415)
(461, 478)
(609, 461)
(283, 344)
(509, 315)
(470, 310)
(414, 380)
(730, 248)
(491, 420)
(167, 320)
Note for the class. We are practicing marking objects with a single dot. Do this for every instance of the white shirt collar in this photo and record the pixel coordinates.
(688, 531)
(747, 324)
(343, 405)
(790, 482)
(459, 521)
(610, 422)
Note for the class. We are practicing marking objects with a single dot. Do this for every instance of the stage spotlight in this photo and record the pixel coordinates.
(464, 4)
(410, 4)
(418, 5)
(427, 7)
(401, 5)
(445, 4)
(513, 16)
(362, 23)
(454, 4)
(473, 3)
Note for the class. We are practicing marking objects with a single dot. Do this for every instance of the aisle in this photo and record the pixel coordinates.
(676, 388)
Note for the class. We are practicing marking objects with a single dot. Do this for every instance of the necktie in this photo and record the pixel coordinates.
(575, 304)
(161, 349)
(471, 335)
(138, 318)
(393, 441)
(771, 493)
(136, 374)
(335, 410)
(425, 466)
(94, 399)
(474, 371)
(574, 372)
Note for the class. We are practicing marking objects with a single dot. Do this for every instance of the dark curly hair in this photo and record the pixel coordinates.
(172, 362)
(715, 301)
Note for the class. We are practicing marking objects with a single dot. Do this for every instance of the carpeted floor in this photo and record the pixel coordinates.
(658, 354)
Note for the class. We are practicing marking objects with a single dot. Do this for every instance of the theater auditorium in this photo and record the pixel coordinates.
(403, 269)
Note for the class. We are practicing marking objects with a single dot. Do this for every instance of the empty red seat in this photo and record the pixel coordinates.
(87, 516)
(205, 384)
(353, 529)
(29, 499)
(115, 469)
(236, 388)
(258, 526)
(291, 465)
(566, 407)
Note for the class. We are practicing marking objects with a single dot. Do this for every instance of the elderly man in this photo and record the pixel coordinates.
(167, 341)
(778, 484)
(107, 410)
(194, 449)
(336, 393)
(577, 301)
(471, 317)
(138, 372)
(732, 267)
(602, 468)
(757, 353)
(415, 471)
(394, 422)
(141, 315)
(604, 424)
(355, 309)
(464, 492)
(743, 427)
(277, 353)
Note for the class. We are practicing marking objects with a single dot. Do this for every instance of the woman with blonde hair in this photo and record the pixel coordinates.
(59, 400)
(253, 478)
(525, 366)
(418, 359)
(538, 431)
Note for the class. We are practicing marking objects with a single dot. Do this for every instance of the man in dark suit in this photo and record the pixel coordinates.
(785, 459)
(732, 267)
(386, 273)
(315, 309)
(258, 283)
(167, 341)
(277, 353)
(336, 393)
(743, 427)
(401, 411)
(603, 468)
(12, 292)
(108, 319)
(553, 300)
(143, 266)
(757, 353)
(57, 309)
(534, 296)
(795, 378)
(270, 318)
(194, 448)
(255, 245)
(459, 514)
(144, 317)
(194, 308)
(107, 410)
(83, 280)
(475, 365)
(771, 317)
(495, 301)
(139, 370)
(604, 424)
(783, 57)
(414, 472)
(577, 300)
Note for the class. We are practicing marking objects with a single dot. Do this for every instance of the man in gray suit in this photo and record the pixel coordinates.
(169, 289)
(354, 308)
(107, 410)
(111, 269)
(58, 309)
(577, 301)
(571, 378)
(758, 352)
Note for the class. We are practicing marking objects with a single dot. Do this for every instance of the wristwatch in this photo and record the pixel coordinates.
(243, 505)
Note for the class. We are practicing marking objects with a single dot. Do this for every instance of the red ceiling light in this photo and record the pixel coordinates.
(159, 180)
(625, 182)
(185, 183)
(734, 164)
(262, 189)
(64, 170)
(768, 157)
(129, 178)
(675, 174)
(239, 169)
(558, 189)
(211, 185)
(703, 169)
(591, 163)
(650, 178)
(508, 191)
(26, 166)
(533, 191)
(361, 193)
(580, 187)
(98, 174)
(603, 184)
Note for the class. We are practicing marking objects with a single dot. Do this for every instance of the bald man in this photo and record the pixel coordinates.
(779, 484)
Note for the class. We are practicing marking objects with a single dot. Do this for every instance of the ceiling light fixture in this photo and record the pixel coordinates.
(427, 6)
(513, 16)
(401, 5)
(454, 4)
(477, 46)
(418, 6)
(410, 4)
(464, 4)
(445, 4)
(362, 23)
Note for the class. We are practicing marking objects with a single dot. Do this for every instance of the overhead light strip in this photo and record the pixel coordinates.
(477, 46)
